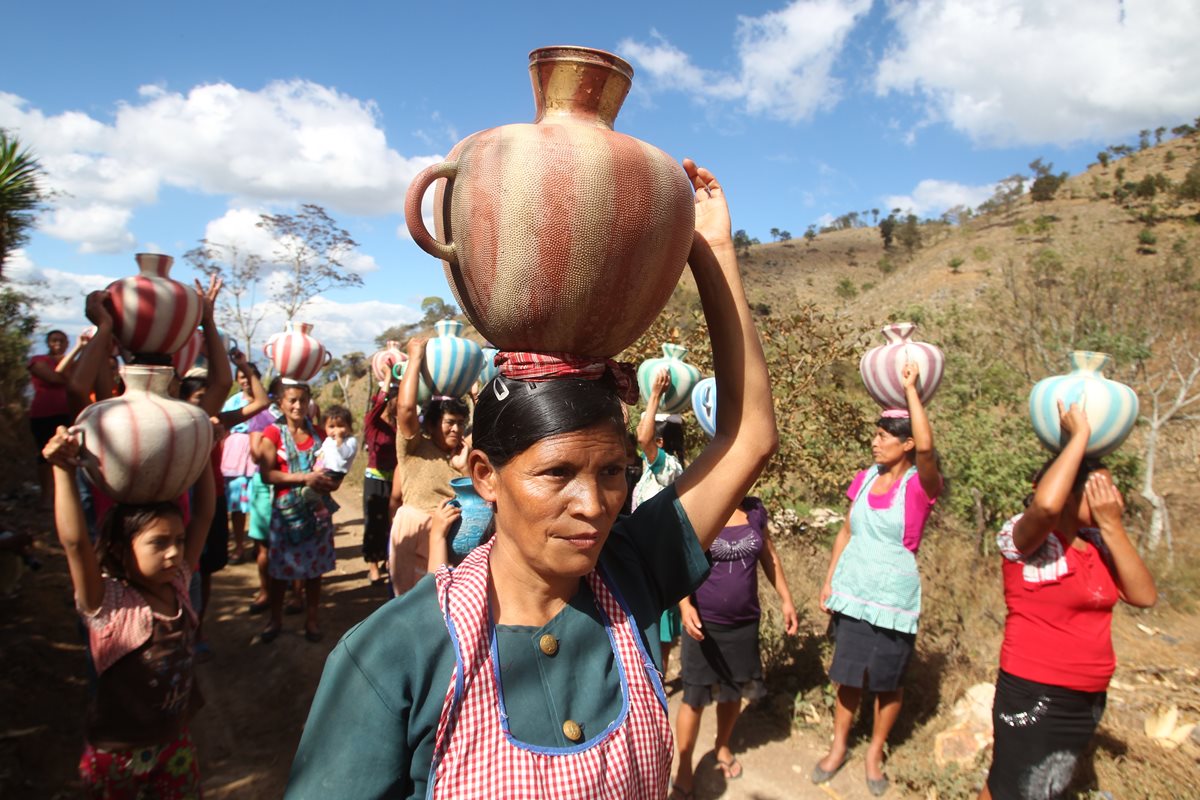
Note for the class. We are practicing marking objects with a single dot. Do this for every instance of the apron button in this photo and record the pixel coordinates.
(572, 730)
(549, 646)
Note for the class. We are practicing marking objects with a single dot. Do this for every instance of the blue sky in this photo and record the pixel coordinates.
(160, 123)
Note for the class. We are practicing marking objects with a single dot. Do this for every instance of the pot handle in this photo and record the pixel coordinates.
(269, 351)
(412, 211)
(328, 358)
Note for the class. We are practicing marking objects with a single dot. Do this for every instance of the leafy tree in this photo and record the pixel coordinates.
(1183, 130)
(1102, 157)
(810, 234)
(1144, 139)
(887, 230)
(874, 216)
(741, 242)
(22, 194)
(774, 234)
(909, 234)
(434, 308)
(1189, 187)
(17, 324)
(1158, 134)
(241, 273)
(310, 249)
(785, 236)
(1045, 182)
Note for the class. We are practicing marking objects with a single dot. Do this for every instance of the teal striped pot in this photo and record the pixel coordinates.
(489, 369)
(684, 377)
(1111, 406)
(452, 363)
(704, 405)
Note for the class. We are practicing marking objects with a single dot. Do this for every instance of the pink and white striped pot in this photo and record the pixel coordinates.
(881, 366)
(383, 361)
(561, 235)
(144, 446)
(295, 354)
(151, 312)
(185, 357)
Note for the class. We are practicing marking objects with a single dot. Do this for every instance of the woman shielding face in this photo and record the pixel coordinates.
(556, 501)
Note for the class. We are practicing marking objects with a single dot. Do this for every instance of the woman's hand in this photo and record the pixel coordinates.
(239, 360)
(62, 450)
(208, 299)
(691, 621)
(1104, 501)
(444, 517)
(1074, 420)
(909, 375)
(826, 593)
(791, 622)
(712, 212)
(319, 482)
(95, 308)
(416, 349)
(662, 382)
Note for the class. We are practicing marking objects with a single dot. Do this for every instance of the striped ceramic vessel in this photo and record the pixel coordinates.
(704, 405)
(423, 393)
(452, 363)
(560, 235)
(1111, 406)
(152, 313)
(295, 354)
(489, 369)
(144, 446)
(383, 361)
(185, 357)
(228, 343)
(881, 367)
(684, 376)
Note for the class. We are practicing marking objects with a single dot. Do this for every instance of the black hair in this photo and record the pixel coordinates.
(250, 370)
(60, 333)
(122, 523)
(511, 416)
(439, 407)
(339, 414)
(304, 387)
(189, 386)
(671, 433)
(900, 427)
(1086, 468)
(275, 390)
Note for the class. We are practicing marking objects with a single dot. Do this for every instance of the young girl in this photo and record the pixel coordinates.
(339, 447)
(131, 591)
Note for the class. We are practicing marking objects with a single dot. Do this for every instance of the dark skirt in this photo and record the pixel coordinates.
(1040, 731)
(44, 428)
(869, 657)
(725, 667)
(376, 522)
(215, 555)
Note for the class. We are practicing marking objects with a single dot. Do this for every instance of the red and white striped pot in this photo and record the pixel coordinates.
(295, 354)
(561, 235)
(144, 446)
(151, 312)
(882, 367)
(185, 357)
(383, 361)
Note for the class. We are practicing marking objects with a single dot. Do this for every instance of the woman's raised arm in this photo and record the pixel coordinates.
(1055, 485)
(746, 435)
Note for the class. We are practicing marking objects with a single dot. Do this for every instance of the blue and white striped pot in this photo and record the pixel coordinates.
(489, 369)
(704, 404)
(452, 363)
(684, 376)
(1111, 406)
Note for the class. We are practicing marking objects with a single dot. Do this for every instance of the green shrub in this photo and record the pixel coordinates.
(981, 253)
(955, 264)
(846, 289)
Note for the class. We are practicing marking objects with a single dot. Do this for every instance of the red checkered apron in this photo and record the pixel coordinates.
(476, 757)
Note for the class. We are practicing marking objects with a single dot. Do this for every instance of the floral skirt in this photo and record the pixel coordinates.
(165, 772)
(310, 558)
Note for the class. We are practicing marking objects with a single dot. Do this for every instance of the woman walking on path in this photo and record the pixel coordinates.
(238, 465)
(720, 652)
(379, 442)
(48, 409)
(873, 589)
(1067, 560)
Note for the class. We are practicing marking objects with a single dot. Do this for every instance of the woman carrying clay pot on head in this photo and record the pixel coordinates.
(301, 535)
(237, 460)
(48, 409)
(530, 669)
(1067, 561)
(430, 450)
(379, 443)
(873, 589)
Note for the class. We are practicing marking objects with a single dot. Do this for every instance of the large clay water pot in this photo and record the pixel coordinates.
(684, 376)
(468, 532)
(452, 363)
(228, 344)
(561, 235)
(186, 357)
(383, 361)
(296, 354)
(881, 367)
(704, 405)
(144, 446)
(152, 313)
(1111, 406)
(489, 369)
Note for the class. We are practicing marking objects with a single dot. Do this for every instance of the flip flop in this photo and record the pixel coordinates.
(731, 768)
(258, 608)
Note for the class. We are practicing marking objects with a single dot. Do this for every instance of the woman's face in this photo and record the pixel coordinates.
(56, 343)
(294, 404)
(243, 382)
(557, 501)
(448, 433)
(888, 449)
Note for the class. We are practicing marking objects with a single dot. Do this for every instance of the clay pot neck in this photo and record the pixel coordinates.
(899, 332)
(447, 328)
(1090, 361)
(578, 85)
(146, 378)
(671, 350)
(154, 264)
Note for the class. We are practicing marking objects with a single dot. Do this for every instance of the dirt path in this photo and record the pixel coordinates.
(257, 696)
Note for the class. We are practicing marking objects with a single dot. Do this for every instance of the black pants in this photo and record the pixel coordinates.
(376, 521)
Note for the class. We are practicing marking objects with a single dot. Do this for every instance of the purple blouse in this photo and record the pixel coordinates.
(730, 595)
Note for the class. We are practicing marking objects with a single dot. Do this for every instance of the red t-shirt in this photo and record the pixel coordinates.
(1060, 600)
(49, 399)
(272, 435)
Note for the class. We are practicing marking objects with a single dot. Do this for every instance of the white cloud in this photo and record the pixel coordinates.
(785, 60)
(292, 141)
(1007, 72)
(933, 196)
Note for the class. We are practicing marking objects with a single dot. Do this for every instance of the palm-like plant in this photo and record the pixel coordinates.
(21, 194)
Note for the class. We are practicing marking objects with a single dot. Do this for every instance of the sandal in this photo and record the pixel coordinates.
(257, 607)
(732, 768)
(270, 634)
(313, 636)
(820, 776)
(680, 793)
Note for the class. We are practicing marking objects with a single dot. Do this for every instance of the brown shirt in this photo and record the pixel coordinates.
(424, 472)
